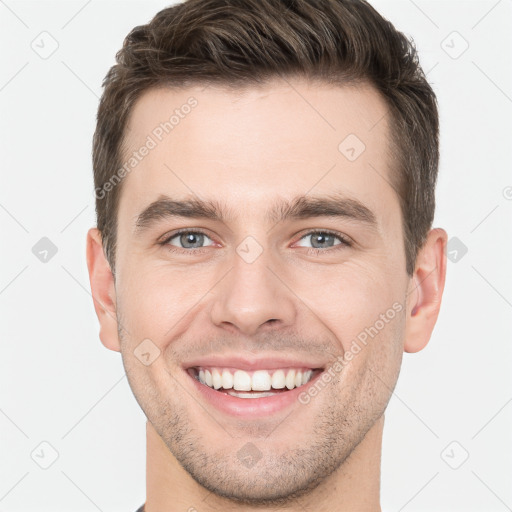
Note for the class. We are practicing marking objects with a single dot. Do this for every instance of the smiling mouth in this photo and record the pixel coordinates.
(253, 384)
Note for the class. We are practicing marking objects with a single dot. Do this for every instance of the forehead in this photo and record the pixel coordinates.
(249, 146)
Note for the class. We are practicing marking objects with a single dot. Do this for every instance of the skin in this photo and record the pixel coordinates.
(250, 149)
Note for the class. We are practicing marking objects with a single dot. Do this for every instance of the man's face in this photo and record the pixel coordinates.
(253, 291)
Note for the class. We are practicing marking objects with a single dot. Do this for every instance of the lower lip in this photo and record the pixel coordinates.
(250, 407)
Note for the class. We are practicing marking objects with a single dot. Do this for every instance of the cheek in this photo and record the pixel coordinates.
(156, 300)
(349, 299)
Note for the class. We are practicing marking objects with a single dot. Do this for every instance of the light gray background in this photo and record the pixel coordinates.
(59, 385)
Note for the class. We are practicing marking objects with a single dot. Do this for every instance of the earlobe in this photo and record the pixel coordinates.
(103, 290)
(426, 291)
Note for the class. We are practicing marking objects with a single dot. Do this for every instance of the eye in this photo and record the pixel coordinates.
(187, 239)
(325, 239)
(192, 241)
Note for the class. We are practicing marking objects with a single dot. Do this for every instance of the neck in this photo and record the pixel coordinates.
(354, 486)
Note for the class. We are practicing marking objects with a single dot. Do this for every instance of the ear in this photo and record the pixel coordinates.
(103, 290)
(425, 291)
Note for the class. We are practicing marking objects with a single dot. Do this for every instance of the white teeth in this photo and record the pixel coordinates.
(250, 395)
(216, 379)
(242, 381)
(290, 379)
(259, 380)
(227, 380)
(278, 379)
(306, 376)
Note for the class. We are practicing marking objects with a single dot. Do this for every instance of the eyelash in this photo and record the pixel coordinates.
(344, 242)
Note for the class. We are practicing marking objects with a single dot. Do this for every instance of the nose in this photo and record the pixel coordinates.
(253, 297)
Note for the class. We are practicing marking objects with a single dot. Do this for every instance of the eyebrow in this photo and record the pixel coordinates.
(301, 207)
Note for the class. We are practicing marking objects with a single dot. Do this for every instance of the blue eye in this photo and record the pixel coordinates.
(326, 239)
(188, 239)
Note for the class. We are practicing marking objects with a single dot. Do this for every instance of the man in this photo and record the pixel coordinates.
(265, 174)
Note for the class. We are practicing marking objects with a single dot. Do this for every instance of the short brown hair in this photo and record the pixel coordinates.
(247, 42)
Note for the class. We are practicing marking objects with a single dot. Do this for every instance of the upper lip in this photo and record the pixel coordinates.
(253, 363)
